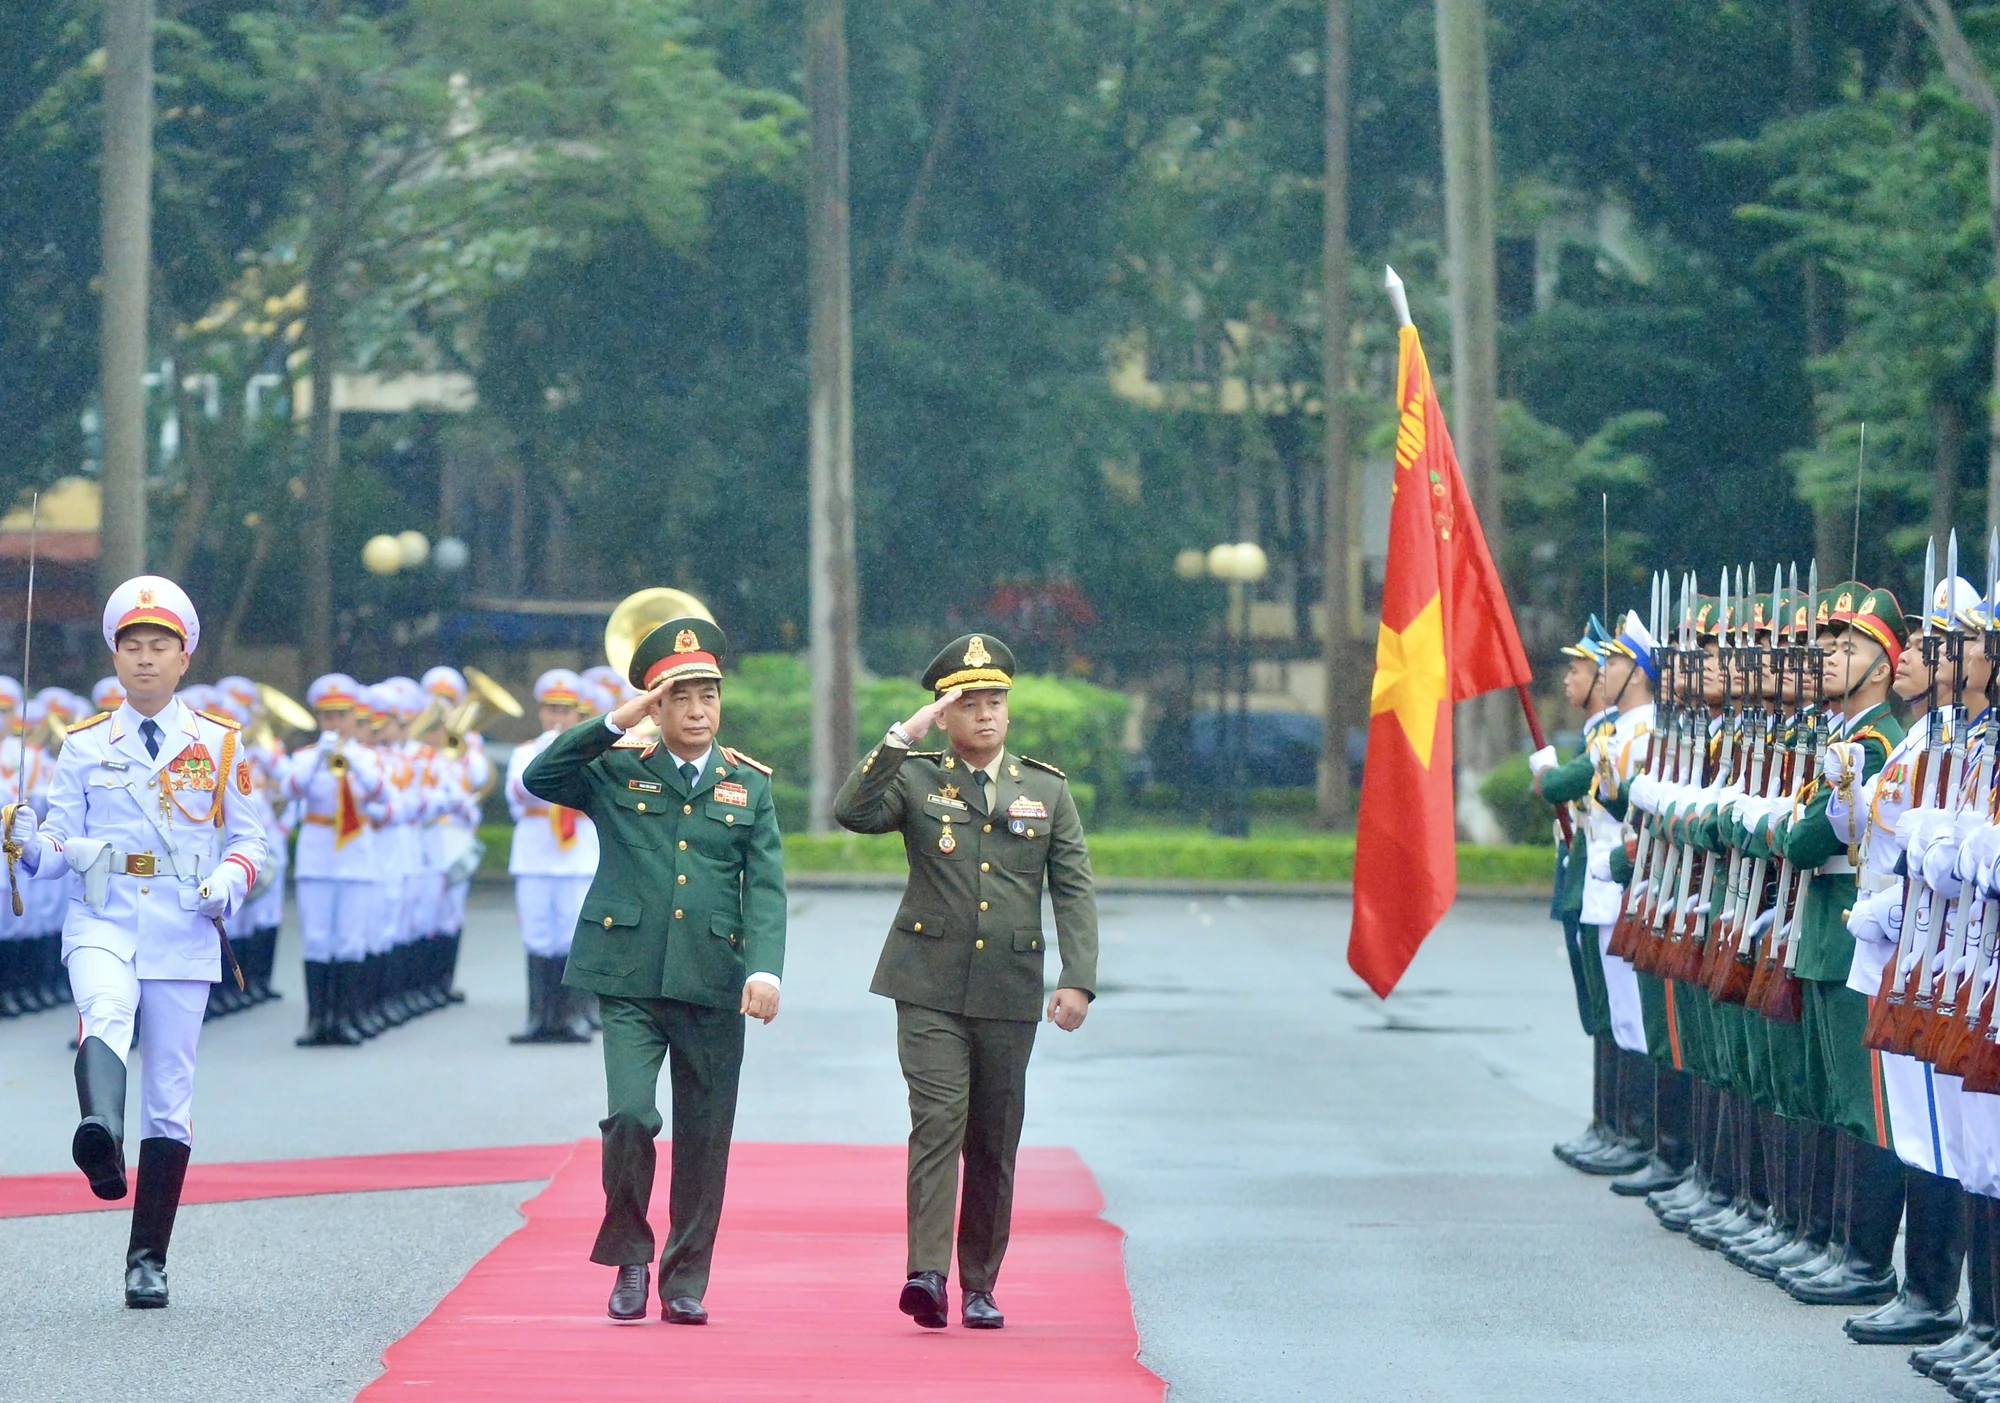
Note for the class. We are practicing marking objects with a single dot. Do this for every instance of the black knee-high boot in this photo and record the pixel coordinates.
(1745, 1209)
(1975, 1339)
(1925, 1311)
(1865, 1274)
(98, 1147)
(162, 1170)
(1694, 1184)
(1596, 1135)
(1670, 1151)
(1631, 1141)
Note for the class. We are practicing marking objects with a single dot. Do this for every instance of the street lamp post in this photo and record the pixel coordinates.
(1238, 566)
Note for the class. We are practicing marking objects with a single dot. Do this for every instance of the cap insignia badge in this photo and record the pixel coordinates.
(1844, 604)
(685, 642)
(976, 654)
(145, 599)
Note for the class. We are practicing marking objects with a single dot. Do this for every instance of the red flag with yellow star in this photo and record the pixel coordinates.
(1447, 634)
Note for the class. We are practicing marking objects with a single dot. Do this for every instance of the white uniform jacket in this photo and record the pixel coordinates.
(1617, 752)
(145, 833)
(540, 848)
(324, 851)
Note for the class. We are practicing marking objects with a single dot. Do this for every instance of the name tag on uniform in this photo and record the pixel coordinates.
(947, 802)
(645, 786)
(736, 794)
(1024, 807)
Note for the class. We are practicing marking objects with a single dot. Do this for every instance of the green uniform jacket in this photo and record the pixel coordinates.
(968, 937)
(1565, 784)
(1826, 947)
(689, 895)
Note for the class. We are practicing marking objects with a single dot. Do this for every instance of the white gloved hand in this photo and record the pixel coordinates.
(23, 844)
(216, 895)
(1867, 918)
(1647, 793)
(1979, 841)
(1907, 823)
(1940, 863)
(1542, 761)
(1845, 759)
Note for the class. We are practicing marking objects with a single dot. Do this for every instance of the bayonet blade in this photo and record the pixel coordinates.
(1930, 582)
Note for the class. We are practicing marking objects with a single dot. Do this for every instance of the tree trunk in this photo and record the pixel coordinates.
(126, 185)
(835, 608)
(1485, 725)
(1993, 397)
(1339, 651)
(322, 466)
(1947, 446)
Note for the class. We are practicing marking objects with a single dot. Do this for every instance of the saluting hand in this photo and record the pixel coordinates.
(630, 713)
(925, 717)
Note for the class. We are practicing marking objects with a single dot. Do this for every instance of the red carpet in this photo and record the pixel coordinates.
(26, 1195)
(803, 1299)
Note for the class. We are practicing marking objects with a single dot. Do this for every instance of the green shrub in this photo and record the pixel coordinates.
(1509, 791)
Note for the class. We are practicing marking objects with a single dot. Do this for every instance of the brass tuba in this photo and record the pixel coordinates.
(639, 614)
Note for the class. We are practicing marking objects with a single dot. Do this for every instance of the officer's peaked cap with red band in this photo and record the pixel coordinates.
(154, 600)
(677, 650)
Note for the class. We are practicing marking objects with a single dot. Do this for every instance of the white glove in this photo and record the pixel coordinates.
(1907, 823)
(1864, 919)
(1647, 793)
(218, 891)
(1941, 863)
(26, 839)
(1542, 761)
(1844, 762)
(1978, 842)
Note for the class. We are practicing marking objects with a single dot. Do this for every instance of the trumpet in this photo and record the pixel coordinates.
(336, 764)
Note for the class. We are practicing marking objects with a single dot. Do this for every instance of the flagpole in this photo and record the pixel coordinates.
(1399, 298)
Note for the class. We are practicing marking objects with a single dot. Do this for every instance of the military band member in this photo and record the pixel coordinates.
(554, 857)
(984, 829)
(682, 936)
(264, 913)
(145, 807)
(30, 961)
(335, 781)
(465, 775)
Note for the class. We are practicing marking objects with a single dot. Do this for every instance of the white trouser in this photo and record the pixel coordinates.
(109, 993)
(387, 921)
(335, 916)
(1621, 988)
(268, 910)
(1924, 1116)
(1978, 1152)
(549, 908)
(451, 906)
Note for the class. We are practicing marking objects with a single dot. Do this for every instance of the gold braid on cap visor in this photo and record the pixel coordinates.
(984, 677)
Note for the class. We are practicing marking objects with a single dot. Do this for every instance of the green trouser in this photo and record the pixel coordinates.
(1732, 1048)
(1573, 947)
(1675, 1028)
(968, 1080)
(1780, 1052)
(1846, 1074)
(706, 1050)
(1696, 1012)
(1597, 1016)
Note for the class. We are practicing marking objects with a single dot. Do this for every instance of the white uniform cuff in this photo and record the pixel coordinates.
(612, 726)
(760, 977)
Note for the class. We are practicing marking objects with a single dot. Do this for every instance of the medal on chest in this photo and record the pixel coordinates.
(947, 840)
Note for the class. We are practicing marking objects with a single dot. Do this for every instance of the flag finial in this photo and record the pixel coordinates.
(1398, 298)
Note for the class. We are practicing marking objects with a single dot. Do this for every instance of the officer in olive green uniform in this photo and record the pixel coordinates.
(683, 933)
(964, 959)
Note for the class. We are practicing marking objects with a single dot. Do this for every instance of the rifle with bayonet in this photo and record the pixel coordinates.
(1782, 999)
(1649, 850)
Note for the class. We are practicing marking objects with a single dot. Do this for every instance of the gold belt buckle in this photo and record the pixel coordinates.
(140, 864)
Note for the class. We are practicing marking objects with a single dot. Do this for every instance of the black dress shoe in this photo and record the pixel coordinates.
(1649, 1178)
(1618, 1157)
(980, 1313)
(1972, 1339)
(1907, 1320)
(145, 1285)
(924, 1300)
(628, 1296)
(684, 1310)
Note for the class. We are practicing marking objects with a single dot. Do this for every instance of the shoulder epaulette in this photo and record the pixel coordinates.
(630, 741)
(737, 757)
(88, 722)
(926, 755)
(226, 722)
(1043, 765)
(1867, 733)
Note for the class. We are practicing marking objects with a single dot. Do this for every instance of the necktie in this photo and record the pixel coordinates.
(983, 779)
(689, 774)
(149, 729)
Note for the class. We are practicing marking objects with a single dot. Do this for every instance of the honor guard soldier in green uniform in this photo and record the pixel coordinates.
(984, 830)
(682, 936)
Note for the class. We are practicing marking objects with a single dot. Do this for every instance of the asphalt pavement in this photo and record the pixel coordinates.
(1324, 1196)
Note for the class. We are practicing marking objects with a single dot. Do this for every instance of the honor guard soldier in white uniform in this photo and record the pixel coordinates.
(553, 859)
(144, 806)
(30, 959)
(334, 781)
(264, 912)
(465, 775)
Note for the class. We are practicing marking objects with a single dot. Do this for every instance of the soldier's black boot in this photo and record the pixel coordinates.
(1975, 1340)
(55, 990)
(98, 1147)
(318, 976)
(1672, 1152)
(395, 1008)
(452, 993)
(1778, 1223)
(567, 1023)
(1975, 1344)
(1794, 1245)
(1825, 1173)
(368, 1004)
(537, 1028)
(344, 996)
(162, 1170)
(269, 964)
(1744, 1212)
(1632, 1118)
(1603, 1087)
(10, 1002)
(1925, 1311)
(1866, 1273)
(1721, 1170)
(1694, 1188)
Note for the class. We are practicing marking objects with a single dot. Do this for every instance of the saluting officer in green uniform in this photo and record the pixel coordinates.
(682, 936)
(984, 829)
